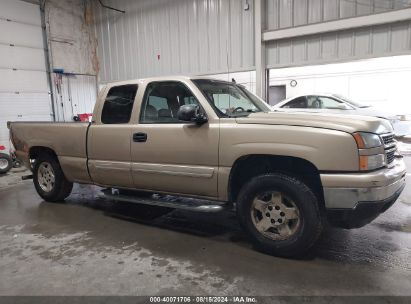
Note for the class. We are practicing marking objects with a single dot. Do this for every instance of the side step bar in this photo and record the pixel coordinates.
(191, 204)
(27, 177)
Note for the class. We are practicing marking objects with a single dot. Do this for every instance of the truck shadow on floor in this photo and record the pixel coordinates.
(368, 245)
(196, 223)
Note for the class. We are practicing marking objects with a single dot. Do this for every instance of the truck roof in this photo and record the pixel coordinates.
(160, 78)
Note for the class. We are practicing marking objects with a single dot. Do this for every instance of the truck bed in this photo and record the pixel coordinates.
(67, 140)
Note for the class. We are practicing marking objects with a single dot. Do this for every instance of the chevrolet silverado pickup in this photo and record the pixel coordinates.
(217, 145)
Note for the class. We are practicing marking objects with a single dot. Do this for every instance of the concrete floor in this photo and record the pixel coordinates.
(92, 247)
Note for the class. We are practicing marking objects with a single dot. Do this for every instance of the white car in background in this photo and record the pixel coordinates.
(334, 103)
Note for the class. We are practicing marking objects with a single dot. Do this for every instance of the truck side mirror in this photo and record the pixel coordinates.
(191, 113)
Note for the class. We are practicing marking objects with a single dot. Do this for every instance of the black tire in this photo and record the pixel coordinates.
(5, 163)
(16, 164)
(61, 188)
(309, 225)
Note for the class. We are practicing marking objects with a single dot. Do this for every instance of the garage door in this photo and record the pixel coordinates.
(24, 90)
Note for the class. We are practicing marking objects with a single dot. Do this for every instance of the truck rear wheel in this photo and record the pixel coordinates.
(49, 179)
(280, 213)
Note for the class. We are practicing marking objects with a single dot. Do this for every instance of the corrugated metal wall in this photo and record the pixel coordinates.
(366, 42)
(246, 79)
(158, 37)
(375, 41)
(290, 13)
(75, 94)
(83, 90)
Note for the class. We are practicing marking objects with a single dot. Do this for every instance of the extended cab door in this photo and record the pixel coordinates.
(170, 155)
(109, 138)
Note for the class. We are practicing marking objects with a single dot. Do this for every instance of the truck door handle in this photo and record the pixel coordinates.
(139, 137)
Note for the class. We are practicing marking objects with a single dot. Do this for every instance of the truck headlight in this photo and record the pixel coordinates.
(367, 140)
(371, 162)
(364, 141)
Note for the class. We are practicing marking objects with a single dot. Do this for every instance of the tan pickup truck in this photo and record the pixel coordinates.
(285, 174)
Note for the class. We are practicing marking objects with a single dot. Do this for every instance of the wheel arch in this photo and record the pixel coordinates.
(249, 166)
(36, 151)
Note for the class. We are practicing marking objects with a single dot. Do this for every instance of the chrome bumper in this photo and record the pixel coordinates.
(346, 191)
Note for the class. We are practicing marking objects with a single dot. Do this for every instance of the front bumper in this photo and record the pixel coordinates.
(353, 200)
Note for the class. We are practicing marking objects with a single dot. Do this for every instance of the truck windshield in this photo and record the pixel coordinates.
(229, 99)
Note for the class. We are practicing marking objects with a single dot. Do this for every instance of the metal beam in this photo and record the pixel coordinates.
(260, 60)
(47, 57)
(338, 25)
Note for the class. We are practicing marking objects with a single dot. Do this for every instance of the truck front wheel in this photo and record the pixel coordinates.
(280, 213)
(49, 179)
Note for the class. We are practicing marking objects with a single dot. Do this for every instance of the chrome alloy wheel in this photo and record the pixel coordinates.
(3, 163)
(45, 177)
(275, 215)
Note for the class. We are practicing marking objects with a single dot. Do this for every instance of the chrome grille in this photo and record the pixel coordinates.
(390, 155)
(390, 146)
(388, 139)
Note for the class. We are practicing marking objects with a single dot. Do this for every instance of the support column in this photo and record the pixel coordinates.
(260, 60)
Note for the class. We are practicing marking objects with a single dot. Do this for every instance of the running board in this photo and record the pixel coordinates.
(27, 177)
(190, 204)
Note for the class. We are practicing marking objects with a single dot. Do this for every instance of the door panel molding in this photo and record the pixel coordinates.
(112, 165)
(175, 170)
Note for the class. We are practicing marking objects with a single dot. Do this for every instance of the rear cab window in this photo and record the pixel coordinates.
(118, 104)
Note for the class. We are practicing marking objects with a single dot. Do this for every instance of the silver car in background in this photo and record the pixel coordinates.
(334, 103)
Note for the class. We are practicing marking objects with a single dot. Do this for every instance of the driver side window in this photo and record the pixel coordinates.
(162, 101)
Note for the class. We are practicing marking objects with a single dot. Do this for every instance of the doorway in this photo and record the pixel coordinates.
(276, 93)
